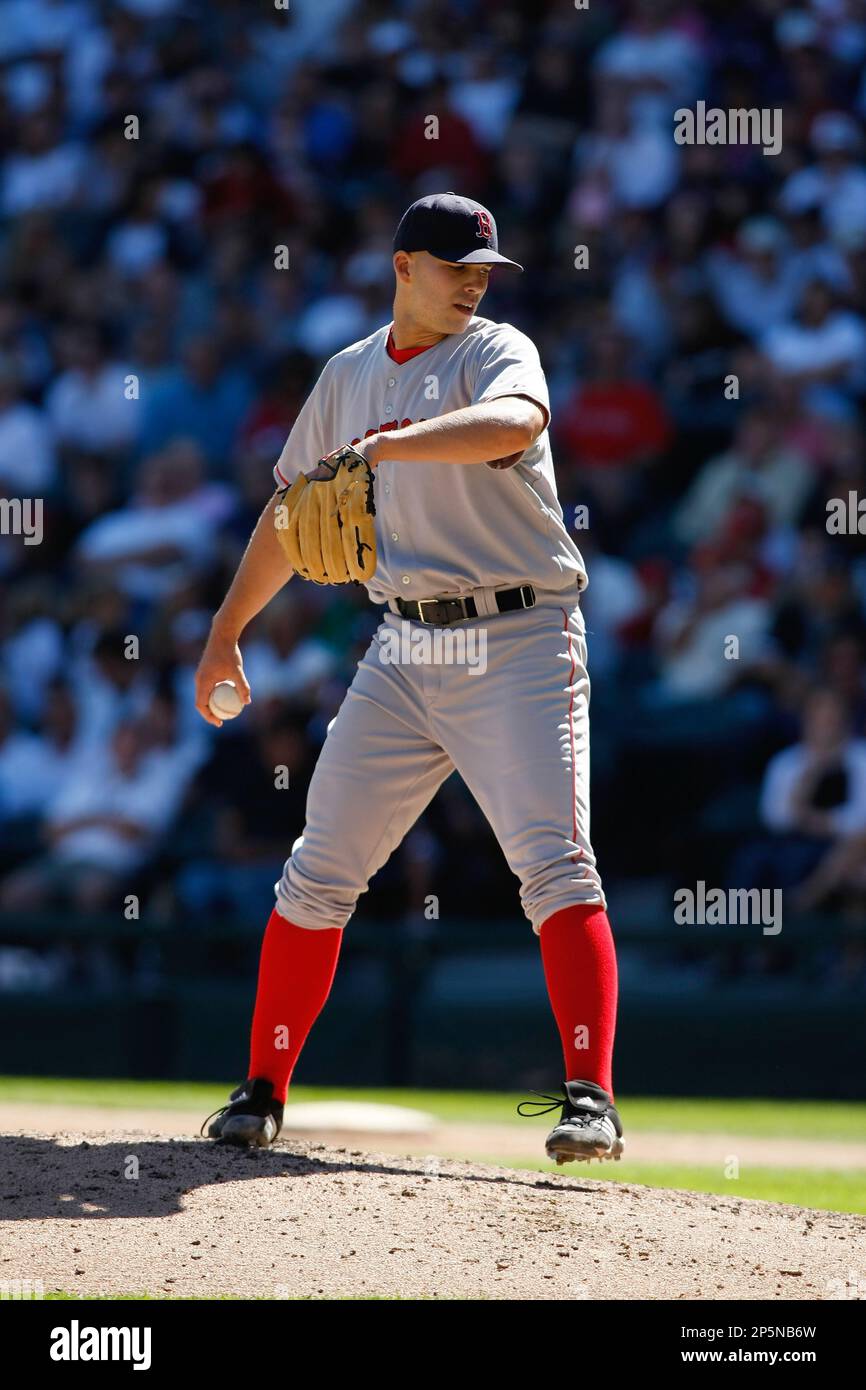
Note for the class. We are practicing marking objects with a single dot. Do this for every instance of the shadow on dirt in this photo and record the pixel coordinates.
(65, 1177)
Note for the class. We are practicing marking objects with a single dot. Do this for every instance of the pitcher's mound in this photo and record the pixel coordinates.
(107, 1213)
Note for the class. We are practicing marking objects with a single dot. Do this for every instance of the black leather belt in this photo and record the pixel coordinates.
(442, 612)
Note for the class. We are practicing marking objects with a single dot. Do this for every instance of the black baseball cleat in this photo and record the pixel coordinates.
(589, 1126)
(252, 1118)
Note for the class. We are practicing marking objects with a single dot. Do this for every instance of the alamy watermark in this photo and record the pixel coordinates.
(438, 646)
(20, 1289)
(852, 1286)
(738, 126)
(77, 1343)
(22, 516)
(716, 907)
(846, 516)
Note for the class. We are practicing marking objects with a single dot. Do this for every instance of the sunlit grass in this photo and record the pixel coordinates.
(839, 1120)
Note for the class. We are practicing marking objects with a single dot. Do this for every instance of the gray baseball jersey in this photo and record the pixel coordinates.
(515, 725)
(442, 528)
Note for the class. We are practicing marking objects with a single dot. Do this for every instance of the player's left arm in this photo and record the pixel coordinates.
(497, 432)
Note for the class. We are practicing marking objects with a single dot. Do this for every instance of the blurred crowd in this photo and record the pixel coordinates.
(197, 202)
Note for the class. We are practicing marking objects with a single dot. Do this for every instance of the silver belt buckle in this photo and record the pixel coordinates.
(457, 599)
(421, 603)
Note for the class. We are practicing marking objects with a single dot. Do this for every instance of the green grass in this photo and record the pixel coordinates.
(759, 1118)
(768, 1118)
(821, 1189)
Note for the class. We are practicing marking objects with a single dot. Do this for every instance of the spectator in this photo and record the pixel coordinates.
(332, 322)
(285, 385)
(27, 463)
(178, 749)
(33, 765)
(660, 61)
(202, 401)
(44, 172)
(629, 163)
(102, 827)
(485, 97)
(91, 404)
(616, 600)
(699, 355)
(693, 633)
(755, 287)
(836, 185)
(816, 603)
(111, 686)
(612, 430)
(822, 350)
(141, 239)
(283, 658)
(758, 465)
(166, 535)
(259, 815)
(32, 650)
(818, 787)
(455, 147)
(813, 801)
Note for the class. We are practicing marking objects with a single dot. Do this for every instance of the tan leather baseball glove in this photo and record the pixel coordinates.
(325, 521)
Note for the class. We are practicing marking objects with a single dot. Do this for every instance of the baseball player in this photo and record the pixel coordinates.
(434, 487)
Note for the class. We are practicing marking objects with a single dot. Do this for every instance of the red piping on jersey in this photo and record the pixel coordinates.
(579, 851)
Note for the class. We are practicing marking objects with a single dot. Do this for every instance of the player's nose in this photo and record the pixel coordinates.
(475, 287)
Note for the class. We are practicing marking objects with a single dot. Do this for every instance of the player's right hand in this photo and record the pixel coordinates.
(221, 660)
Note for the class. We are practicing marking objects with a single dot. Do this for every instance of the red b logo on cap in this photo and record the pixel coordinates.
(485, 227)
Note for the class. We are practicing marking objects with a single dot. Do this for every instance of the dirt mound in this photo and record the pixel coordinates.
(109, 1213)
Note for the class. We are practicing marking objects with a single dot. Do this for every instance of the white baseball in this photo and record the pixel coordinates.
(225, 700)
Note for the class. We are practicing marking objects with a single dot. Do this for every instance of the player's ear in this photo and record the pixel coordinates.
(403, 265)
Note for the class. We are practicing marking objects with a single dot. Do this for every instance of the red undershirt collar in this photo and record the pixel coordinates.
(400, 355)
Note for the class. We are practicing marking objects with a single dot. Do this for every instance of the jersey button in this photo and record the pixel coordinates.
(392, 381)
(387, 487)
(406, 579)
(389, 410)
(395, 536)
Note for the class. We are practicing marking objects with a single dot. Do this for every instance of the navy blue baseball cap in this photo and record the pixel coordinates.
(451, 228)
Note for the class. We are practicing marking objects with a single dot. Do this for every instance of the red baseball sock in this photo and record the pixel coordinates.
(296, 971)
(579, 960)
